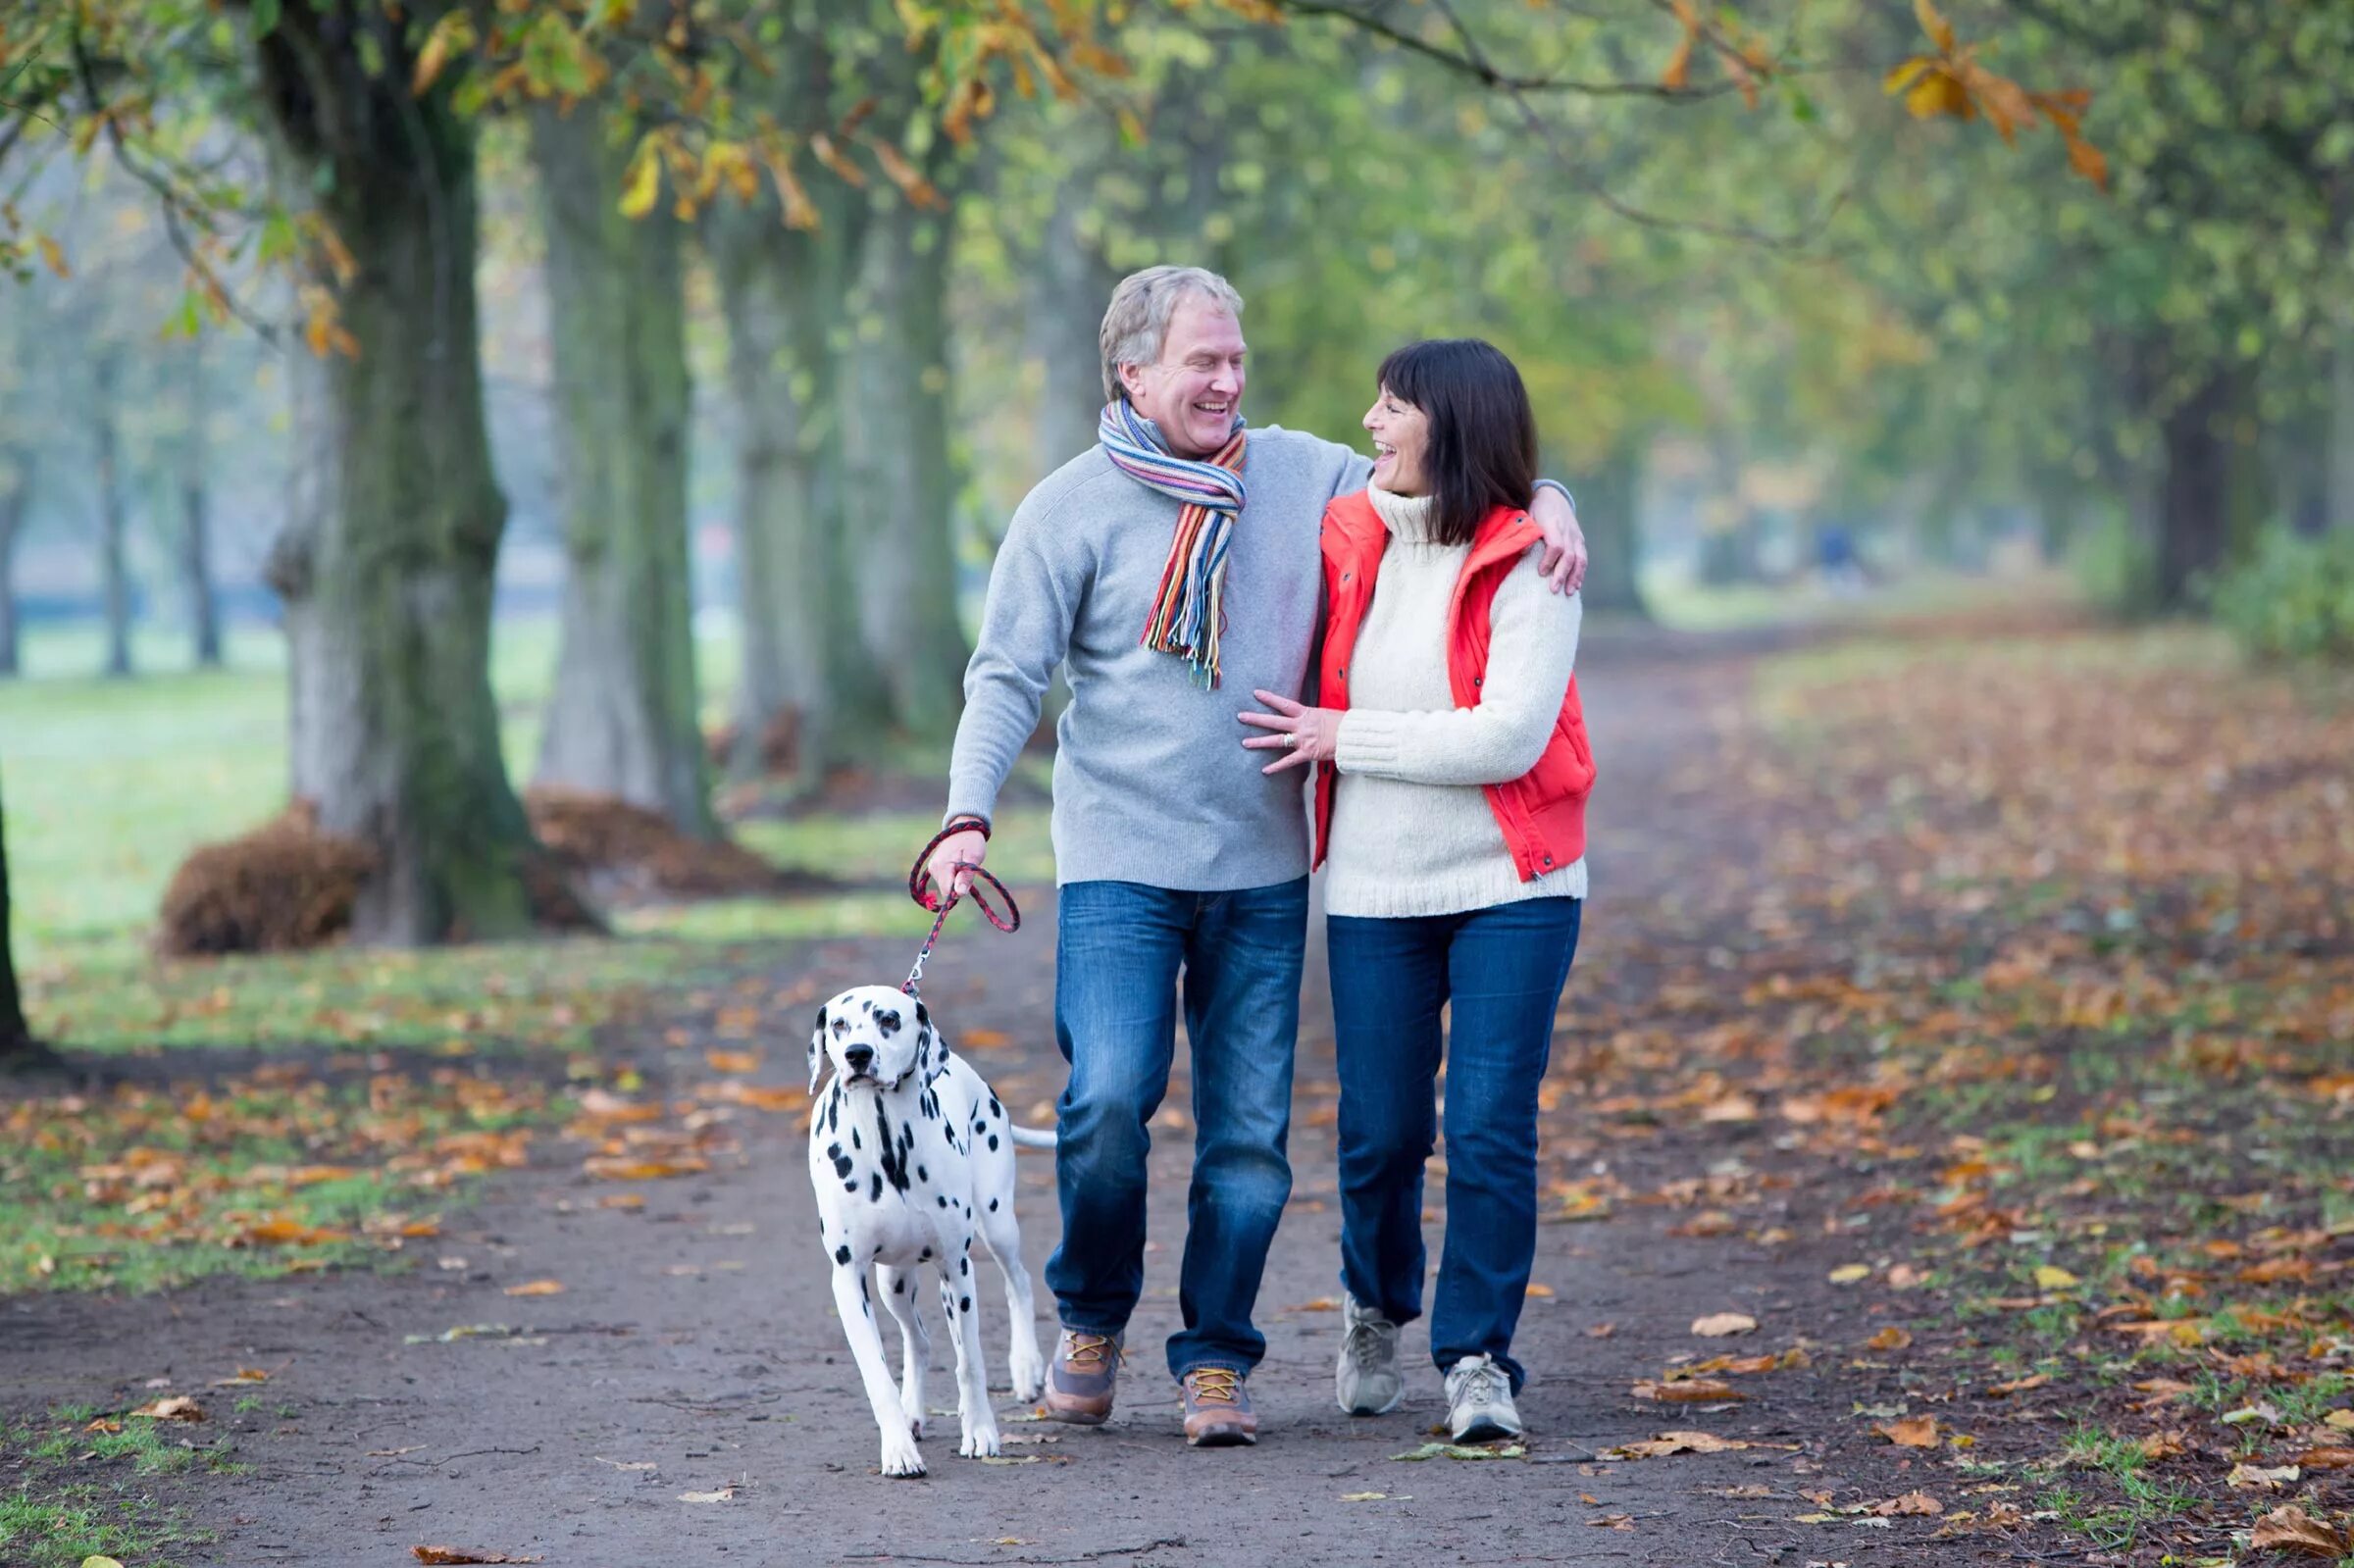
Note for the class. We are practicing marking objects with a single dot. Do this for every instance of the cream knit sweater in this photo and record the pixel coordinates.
(1411, 830)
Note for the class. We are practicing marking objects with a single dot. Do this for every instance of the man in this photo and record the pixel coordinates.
(1173, 569)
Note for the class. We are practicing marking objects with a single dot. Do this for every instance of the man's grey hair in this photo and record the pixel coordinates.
(1137, 322)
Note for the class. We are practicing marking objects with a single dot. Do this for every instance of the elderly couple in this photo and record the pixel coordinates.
(1184, 562)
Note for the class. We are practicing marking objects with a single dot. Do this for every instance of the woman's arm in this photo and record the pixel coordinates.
(1532, 648)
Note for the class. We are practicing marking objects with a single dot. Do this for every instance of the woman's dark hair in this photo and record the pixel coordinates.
(1481, 452)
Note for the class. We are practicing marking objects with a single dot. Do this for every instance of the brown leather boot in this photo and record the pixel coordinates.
(1217, 1408)
(1081, 1379)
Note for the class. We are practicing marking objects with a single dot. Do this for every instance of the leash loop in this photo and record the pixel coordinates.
(943, 899)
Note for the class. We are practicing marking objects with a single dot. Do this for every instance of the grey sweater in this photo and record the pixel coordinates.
(1151, 782)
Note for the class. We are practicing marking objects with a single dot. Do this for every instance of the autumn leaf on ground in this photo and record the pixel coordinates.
(179, 1407)
(2291, 1530)
(2331, 1458)
(2018, 1384)
(1458, 1450)
(1890, 1338)
(1687, 1390)
(100, 1562)
(1718, 1325)
(241, 1376)
(537, 1288)
(1914, 1432)
(1668, 1443)
(1364, 1497)
(461, 1555)
(2049, 1278)
(2163, 1444)
(1912, 1502)
(2342, 1420)
(1612, 1521)
(2261, 1478)
(1850, 1273)
(721, 1495)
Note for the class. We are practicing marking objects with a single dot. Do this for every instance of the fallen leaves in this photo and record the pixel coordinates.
(1674, 1443)
(462, 1554)
(1460, 1451)
(1719, 1325)
(1687, 1390)
(537, 1287)
(2292, 1529)
(2001, 1390)
(1890, 1338)
(178, 1408)
(622, 1168)
(2261, 1478)
(1850, 1273)
(1912, 1431)
(721, 1495)
(1912, 1503)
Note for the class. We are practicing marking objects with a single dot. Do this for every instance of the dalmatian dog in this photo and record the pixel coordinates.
(911, 1156)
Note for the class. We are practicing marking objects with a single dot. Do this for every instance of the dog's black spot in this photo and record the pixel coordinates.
(993, 1142)
(842, 1255)
(995, 1109)
(854, 1142)
(964, 1265)
(943, 1200)
(923, 1175)
(925, 1256)
(922, 1016)
(964, 1303)
(851, 1186)
(899, 1284)
(865, 1006)
(993, 1205)
(874, 1195)
(877, 1249)
(888, 1023)
(893, 1152)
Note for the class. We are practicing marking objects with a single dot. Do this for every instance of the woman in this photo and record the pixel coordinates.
(1451, 807)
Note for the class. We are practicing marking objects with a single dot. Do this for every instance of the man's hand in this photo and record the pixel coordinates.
(951, 864)
(1563, 561)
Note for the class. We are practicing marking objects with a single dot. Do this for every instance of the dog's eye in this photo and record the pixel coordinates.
(842, 1026)
(889, 1022)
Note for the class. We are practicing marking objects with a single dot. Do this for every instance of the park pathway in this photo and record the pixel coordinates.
(694, 1350)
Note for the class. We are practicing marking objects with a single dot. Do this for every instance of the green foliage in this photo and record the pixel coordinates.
(2294, 597)
(2116, 566)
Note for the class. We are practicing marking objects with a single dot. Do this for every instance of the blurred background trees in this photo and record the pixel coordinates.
(726, 335)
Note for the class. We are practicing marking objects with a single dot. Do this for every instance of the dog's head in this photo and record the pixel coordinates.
(876, 1034)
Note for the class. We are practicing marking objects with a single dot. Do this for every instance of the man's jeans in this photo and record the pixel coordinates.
(1500, 970)
(1119, 947)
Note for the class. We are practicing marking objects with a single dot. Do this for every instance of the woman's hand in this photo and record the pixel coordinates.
(1563, 559)
(1302, 733)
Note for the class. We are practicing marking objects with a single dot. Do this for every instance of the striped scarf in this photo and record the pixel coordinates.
(1190, 609)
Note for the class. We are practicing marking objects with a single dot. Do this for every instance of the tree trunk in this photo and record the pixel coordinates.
(2195, 500)
(113, 555)
(387, 574)
(195, 520)
(19, 1050)
(2338, 487)
(1064, 296)
(903, 476)
(622, 717)
(13, 506)
(785, 293)
(1609, 507)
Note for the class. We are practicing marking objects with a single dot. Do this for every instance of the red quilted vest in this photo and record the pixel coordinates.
(1543, 812)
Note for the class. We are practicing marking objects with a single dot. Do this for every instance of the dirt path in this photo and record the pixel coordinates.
(693, 1349)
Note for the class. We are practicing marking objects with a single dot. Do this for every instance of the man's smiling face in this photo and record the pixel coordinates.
(1196, 389)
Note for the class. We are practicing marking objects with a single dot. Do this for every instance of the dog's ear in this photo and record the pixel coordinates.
(817, 1050)
(931, 1046)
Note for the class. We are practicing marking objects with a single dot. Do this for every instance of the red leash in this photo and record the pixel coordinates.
(919, 888)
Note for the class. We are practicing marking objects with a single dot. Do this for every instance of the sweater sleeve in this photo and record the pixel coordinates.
(1532, 648)
(1035, 588)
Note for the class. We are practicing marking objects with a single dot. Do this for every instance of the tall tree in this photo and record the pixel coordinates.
(385, 569)
(622, 717)
(113, 521)
(194, 484)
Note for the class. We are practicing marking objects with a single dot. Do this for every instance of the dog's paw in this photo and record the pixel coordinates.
(915, 1424)
(980, 1443)
(1026, 1376)
(900, 1457)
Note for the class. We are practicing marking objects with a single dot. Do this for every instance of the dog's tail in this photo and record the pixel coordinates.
(1030, 1137)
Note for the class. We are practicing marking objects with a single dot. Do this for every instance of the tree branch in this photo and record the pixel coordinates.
(1473, 63)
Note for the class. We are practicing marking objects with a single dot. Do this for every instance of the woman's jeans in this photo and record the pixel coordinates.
(1119, 948)
(1502, 969)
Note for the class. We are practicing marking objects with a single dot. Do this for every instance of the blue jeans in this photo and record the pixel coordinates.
(1119, 948)
(1502, 969)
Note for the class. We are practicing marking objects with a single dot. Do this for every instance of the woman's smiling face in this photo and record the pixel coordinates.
(1401, 435)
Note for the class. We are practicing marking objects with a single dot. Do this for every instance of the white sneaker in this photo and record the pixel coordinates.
(1479, 1402)
(1367, 1380)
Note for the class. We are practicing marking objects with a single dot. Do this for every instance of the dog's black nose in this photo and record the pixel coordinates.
(861, 1057)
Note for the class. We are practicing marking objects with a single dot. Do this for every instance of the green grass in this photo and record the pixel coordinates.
(80, 1493)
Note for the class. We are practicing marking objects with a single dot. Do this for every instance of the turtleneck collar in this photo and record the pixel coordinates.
(1410, 518)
